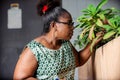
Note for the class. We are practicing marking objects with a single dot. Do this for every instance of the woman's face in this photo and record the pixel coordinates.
(64, 28)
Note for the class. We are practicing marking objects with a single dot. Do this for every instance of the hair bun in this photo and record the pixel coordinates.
(45, 6)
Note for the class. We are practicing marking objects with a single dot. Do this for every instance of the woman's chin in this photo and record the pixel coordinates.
(69, 37)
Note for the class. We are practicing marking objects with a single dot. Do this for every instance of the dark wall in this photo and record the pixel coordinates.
(12, 41)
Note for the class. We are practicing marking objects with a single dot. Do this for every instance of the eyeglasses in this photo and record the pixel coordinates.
(67, 23)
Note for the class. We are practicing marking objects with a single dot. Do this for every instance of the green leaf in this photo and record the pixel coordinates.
(102, 16)
(103, 2)
(109, 34)
(93, 43)
(107, 11)
(91, 32)
(92, 9)
(85, 11)
(112, 22)
(99, 22)
(83, 32)
(93, 35)
(118, 29)
(107, 27)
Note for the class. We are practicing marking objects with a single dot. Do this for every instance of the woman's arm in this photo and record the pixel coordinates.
(26, 66)
(83, 55)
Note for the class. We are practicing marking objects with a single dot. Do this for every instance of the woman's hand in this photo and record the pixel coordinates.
(100, 37)
(95, 41)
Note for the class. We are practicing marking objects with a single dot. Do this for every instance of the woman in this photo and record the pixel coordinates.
(51, 56)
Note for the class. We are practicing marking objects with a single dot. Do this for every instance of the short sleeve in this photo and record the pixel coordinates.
(34, 48)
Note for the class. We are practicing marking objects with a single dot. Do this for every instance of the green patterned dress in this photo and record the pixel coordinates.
(53, 64)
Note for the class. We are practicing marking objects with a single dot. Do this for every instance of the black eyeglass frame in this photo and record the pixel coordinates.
(67, 23)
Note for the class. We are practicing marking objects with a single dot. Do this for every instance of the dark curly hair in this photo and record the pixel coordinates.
(52, 12)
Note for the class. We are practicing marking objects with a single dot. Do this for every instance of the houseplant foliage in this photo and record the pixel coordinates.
(97, 20)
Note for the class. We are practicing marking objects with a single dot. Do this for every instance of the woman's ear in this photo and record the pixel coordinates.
(53, 25)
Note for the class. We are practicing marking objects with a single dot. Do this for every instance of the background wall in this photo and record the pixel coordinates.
(12, 41)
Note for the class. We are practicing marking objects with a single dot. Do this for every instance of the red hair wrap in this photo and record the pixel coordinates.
(45, 8)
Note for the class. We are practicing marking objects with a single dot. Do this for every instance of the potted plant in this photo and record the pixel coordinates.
(94, 20)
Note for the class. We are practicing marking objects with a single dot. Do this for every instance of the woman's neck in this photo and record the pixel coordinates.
(52, 41)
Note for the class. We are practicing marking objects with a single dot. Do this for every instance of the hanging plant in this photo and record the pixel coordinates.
(97, 20)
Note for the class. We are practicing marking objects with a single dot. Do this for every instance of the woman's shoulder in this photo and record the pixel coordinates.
(40, 40)
(33, 43)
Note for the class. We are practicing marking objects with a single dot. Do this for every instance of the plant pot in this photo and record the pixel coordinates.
(106, 64)
(85, 72)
